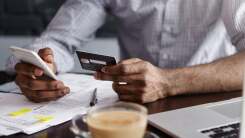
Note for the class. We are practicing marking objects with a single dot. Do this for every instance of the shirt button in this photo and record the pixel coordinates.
(165, 56)
(168, 28)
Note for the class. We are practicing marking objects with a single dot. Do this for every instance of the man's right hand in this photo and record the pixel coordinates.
(34, 85)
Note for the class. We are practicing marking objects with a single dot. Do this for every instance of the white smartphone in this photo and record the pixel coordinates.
(32, 57)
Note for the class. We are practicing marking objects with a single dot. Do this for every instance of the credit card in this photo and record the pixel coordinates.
(94, 62)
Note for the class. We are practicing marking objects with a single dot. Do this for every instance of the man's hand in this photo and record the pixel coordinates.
(144, 82)
(34, 85)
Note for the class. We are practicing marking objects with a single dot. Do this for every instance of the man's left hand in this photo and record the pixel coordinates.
(136, 80)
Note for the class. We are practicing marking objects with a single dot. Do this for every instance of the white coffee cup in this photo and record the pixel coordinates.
(120, 120)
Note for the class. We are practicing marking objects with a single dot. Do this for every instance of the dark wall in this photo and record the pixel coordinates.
(30, 17)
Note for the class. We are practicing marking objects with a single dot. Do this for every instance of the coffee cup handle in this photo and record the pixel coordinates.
(75, 129)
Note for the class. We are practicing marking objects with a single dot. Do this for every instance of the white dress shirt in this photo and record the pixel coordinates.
(167, 33)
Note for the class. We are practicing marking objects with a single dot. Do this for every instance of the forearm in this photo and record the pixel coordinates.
(72, 27)
(76, 22)
(223, 75)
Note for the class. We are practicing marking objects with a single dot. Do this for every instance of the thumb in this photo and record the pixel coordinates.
(47, 55)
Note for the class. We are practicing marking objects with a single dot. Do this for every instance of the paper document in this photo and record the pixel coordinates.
(7, 130)
(10, 87)
(31, 117)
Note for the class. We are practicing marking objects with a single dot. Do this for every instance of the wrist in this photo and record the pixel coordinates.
(178, 81)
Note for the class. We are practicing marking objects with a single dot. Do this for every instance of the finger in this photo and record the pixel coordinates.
(44, 95)
(115, 78)
(46, 54)
(126, 62)
(125, 69)
(27, 94)
(130, 61)
(28, 69)
(52, 94)
(123, 89)
(34, 84)
(127, 89)
(129, 98)
(137, 79)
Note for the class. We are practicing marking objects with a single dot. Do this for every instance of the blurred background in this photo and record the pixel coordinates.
(21, 21)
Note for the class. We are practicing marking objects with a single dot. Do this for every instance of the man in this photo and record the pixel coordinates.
(168, 47)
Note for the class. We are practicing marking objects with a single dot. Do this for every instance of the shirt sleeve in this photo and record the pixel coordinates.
(73, 26)
(233, 15)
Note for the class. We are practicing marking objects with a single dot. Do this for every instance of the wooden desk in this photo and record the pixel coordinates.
(171, 103)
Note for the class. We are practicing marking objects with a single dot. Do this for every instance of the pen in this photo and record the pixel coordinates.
(93, 100)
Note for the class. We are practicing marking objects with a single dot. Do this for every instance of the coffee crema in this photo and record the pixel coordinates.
(117, 124)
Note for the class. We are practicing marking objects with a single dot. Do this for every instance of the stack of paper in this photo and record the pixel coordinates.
(20, 115)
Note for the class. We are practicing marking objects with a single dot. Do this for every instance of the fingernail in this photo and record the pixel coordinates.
(59, 85)
(50, 58)
(104, 69)
(65, 91)
(38, 72)
(33, 77)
